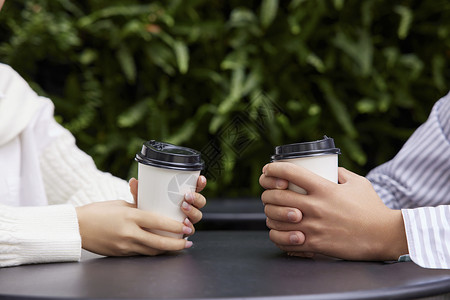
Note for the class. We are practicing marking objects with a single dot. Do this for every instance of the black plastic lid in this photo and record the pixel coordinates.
(320, 147)
(168, 156)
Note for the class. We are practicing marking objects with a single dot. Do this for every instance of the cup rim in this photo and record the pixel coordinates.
(185, 159)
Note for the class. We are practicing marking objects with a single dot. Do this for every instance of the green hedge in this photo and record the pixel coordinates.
(233, 78)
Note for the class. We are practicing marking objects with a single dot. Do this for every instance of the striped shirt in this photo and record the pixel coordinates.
(417, 181)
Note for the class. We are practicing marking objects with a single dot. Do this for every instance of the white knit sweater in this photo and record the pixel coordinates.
(43, 176)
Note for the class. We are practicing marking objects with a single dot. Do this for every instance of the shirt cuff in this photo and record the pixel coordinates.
(426, 235)
(39, 235)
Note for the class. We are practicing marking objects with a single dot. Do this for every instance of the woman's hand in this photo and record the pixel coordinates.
(346, 220)
(191, 205)
(117, 228)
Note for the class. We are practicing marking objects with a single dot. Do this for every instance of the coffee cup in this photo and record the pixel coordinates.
(320, 157)
(166, 173)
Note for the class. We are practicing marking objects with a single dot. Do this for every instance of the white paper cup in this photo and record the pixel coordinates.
(320, 157)
(166, 173)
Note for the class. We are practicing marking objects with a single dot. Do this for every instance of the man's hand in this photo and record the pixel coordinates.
(346, 220)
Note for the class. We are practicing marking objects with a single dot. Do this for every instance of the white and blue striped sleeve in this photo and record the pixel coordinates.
(417, 181)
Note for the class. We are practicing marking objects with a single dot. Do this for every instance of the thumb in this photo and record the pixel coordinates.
(344, 175)
(133, 183)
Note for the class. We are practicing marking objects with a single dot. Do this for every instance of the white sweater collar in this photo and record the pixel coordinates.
(18, 104)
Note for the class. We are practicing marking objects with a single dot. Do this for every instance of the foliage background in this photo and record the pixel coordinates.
(233, 78)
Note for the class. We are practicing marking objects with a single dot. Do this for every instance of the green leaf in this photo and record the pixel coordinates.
(360, 50)
(366, 105)
(406, 18)
(316, 62)
(353, 150)
(161, 56)
(126, 62)
(241, 17)
(88, 56)
(133, 115)
(269, 10)
(337, 107)
(182, 56)
(438, 69)
(184, 133)
(338, 4)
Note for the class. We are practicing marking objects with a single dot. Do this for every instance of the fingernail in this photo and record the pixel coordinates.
(202, 179)
(264, 169)
(292, 216)
(187, 222)
(279, 183)
(186, 206)
(189, 197)
(294, 239)
(188, 244)
(187, 230)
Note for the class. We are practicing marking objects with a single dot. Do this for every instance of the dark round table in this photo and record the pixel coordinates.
(221, 265)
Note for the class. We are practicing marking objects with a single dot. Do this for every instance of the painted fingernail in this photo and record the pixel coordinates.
(292, 216)
(187, 222)
(188, 244)
(186, 206)
(294, 239)
(187, 230)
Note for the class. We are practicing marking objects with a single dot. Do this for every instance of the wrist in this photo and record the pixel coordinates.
(395, 243)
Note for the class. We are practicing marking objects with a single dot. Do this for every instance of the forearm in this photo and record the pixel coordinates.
(70, 176)
(38, 235)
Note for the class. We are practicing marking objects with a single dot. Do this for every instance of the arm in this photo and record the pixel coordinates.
(38, 235)
(416, 180)
(56, 233)
(70, 175)
(418, 176)
(60, 173)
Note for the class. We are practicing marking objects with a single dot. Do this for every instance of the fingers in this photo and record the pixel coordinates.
(201, 183)
(283, 214)
(189, 224)
(133, 183)
(153, 244)
(150, 220)
(285, 198)
(272, 182)
(344, 175)
(195, 199)
(283, 226)
(297, 175)
(191, 206)
(194, 214)
(287, 238)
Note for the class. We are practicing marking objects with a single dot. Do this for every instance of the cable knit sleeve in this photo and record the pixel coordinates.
(27, 234)
(70, 176)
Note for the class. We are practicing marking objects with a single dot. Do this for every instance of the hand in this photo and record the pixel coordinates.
(191, 205)
(346, 220)
(117, 228)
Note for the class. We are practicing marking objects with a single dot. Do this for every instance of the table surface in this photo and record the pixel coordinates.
(222, 264)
